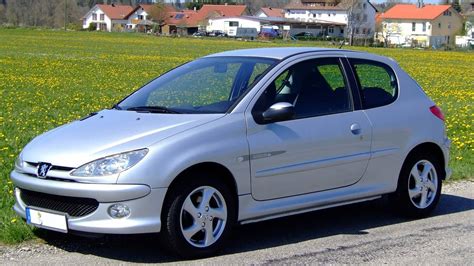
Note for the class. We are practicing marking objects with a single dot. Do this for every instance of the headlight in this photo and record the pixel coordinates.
(19, 163)
(111, 165)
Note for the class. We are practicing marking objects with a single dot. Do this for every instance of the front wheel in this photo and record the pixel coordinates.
(419, 185)
(199, 215)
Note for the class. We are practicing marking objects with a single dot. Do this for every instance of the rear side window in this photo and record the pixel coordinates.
(377, 82)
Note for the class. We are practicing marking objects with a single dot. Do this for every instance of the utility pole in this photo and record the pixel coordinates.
(65, 15)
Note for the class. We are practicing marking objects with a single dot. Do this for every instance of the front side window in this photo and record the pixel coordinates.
(94, 16)
(315, 87)
(207, 85)
(377, 82)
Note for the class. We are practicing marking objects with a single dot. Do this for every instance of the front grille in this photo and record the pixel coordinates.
(75, 207)
(54, 167)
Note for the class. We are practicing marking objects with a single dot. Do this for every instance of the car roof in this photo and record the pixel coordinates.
(276, 52)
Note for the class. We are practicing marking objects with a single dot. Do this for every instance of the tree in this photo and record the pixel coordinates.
(456, 6)
(158, 13)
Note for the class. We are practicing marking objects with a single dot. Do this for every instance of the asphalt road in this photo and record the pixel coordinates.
(366, 233)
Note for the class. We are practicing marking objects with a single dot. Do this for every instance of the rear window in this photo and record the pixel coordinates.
(377, 82)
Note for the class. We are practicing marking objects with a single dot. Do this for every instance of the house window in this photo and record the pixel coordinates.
(102, 17)
(357, 30)
(331, 29)
(233, 23)
(447, 13)
(94, 16)
(424, 26)
(364, 31)
(342, 31)
(439, 25)
(413, 26)
(140, 17)
(449, 25)
(364, 5)
(364, 18)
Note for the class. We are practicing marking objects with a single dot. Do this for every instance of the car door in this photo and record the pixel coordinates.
(325, 146)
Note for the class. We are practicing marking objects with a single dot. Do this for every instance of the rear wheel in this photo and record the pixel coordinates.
(419, 185)
(199, 215)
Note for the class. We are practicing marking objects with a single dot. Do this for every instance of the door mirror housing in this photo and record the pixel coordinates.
(280, 111)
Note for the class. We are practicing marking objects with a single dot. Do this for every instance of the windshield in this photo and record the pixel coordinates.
(206, 85)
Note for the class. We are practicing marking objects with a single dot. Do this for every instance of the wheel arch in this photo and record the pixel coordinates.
(431, 148)
(216, 169)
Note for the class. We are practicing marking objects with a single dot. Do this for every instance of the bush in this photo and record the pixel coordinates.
(92, 26)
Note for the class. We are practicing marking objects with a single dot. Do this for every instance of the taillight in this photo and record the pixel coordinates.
(437, 112)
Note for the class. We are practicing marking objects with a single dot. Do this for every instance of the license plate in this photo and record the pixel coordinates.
(47, 220)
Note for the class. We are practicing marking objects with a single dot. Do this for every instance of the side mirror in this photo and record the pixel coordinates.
(279, 112)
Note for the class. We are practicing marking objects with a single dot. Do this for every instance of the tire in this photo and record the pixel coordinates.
(419, 185)
(191, 229)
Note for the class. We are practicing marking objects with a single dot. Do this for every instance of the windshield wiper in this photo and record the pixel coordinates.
(116, 107)
(153, 109)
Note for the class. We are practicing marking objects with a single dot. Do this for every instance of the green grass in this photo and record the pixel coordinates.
(48, 78)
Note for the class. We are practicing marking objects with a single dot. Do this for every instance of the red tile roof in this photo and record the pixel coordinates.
(273, 12)
(148, 8)
(406, 11)
(194, 18)
(180, 17)
(115, 11)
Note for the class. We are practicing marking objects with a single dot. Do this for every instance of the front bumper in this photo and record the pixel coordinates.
(145, 204)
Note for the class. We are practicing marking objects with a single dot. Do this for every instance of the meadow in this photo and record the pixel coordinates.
(48, 78)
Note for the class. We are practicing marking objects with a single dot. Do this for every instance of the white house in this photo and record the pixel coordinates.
(421, 25)
(107, 17)
(357, 15)
(138, 15)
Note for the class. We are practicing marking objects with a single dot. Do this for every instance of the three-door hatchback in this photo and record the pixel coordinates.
(239, 137)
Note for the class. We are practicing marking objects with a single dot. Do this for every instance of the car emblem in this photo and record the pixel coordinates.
(43, 169)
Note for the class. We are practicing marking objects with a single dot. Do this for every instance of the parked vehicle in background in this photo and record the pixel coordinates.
(249, 33)
(217, 33)
(269, 33)
(303, 35)
(239, 137)
(199, 34)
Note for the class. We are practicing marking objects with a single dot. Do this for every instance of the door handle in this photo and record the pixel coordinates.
(355, 129)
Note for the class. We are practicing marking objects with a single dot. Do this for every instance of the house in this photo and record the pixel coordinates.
(189, 21)
(139, 18)
(107, 17)
(361, 12)
(180, 22)
(269, 12)
(421, 25)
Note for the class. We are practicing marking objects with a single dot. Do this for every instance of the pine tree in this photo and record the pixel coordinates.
(456, 6)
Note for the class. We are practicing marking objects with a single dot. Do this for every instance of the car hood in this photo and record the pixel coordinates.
(106, 133)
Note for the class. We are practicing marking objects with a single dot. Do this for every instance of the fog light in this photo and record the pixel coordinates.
(119, 211)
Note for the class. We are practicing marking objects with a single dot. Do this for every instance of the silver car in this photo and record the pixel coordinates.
(239, 137)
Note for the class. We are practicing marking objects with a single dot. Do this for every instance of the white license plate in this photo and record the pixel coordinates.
(47, 220)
